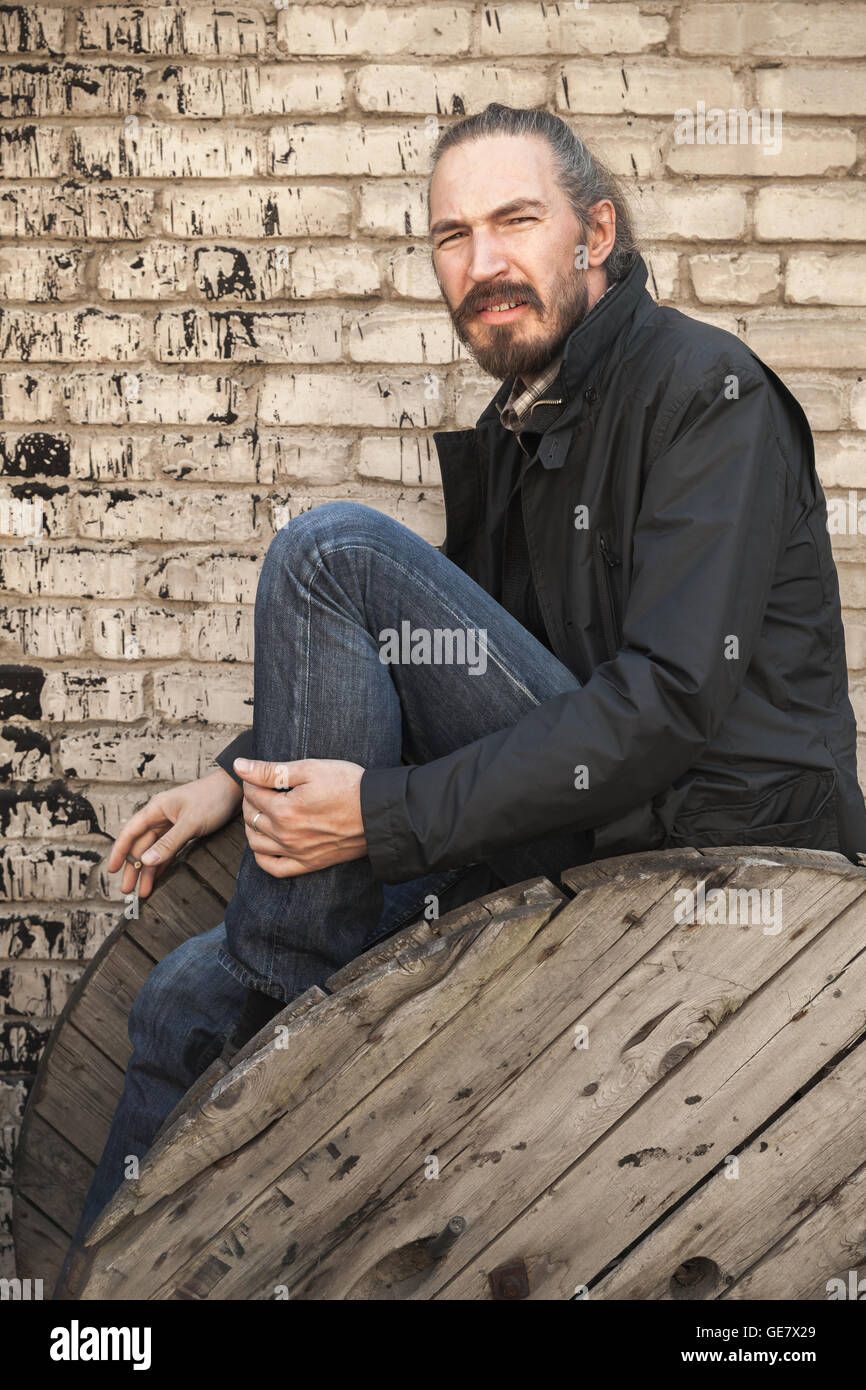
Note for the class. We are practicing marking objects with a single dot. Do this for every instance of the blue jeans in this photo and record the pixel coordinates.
(333, 580)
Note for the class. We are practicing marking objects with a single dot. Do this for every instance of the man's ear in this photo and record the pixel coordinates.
(602, 231)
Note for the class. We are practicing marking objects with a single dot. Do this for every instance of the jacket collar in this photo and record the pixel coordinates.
(586, 348)
(588, 345)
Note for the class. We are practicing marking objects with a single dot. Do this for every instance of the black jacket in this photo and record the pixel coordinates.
(698, 607)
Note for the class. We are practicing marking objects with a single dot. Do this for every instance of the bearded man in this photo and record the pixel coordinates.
(636, 542)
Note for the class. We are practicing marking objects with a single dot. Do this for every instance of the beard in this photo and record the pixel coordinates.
(508, 351)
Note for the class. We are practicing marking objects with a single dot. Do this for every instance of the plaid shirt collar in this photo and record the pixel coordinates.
(527, 392)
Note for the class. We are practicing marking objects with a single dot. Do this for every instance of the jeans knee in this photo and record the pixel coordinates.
(322, 527)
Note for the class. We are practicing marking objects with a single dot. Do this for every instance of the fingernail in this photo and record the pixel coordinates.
(243, 765)
(151, 856)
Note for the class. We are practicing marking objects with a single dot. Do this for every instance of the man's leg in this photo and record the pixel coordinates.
(333, 581)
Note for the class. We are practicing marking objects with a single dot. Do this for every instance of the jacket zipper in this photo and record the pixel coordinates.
(537, 403)
(605, 563)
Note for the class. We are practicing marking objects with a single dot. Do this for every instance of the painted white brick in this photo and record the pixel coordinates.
(137, 633)
(160, 270)
(72, 695)
(188, 30)
(68, 211)
(271, 89)
(299, 335)
(402, 334)
(216, 695)
(410, 459)
(774, 30)
(334, 270)
(322, 31)
(808, 90)
(735, 278)
(32, 29)
(645, 86)
(439, 89)
(143, 397)
(305, 457)
(187, 514)
(348, 149)
(71, 89)
(784, 338)
(518, 29)
(38, 273)
(816, 277)
(202, 577)
(256, 211)
(340, 398)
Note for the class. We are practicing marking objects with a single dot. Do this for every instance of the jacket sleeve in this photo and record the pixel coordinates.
(703, 557)
(240, 747)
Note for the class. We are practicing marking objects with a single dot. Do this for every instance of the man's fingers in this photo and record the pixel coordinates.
(278, 776)
(279, 866)
(168, 844)
(139, 825)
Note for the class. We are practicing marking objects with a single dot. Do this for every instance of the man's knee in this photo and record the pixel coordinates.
(312, 534)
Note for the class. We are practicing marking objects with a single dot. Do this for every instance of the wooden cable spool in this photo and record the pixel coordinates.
(547, 1094)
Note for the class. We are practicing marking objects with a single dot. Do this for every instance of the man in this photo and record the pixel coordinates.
(637, 543)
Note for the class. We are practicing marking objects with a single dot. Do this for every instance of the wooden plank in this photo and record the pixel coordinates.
(696, 862)
(207, 861)
(829, 1245)
(101, 1011)
(40, 1245)
(54, 1173)
(372, 1027)
(788, 1030)
(416, 934)
(791, 1166)
(82, 1092)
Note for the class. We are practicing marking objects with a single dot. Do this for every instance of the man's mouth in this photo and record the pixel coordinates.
(499, 310)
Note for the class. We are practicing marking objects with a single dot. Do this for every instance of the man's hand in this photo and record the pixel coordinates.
(308, 814)
(171, 818)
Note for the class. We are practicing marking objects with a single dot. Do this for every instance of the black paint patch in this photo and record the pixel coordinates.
(238, 282)
(20, 934)
(21, 1043)
(34, 454)
(21, 692)
(63, 806)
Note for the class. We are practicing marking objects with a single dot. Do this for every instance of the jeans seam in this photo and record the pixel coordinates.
(434, 594)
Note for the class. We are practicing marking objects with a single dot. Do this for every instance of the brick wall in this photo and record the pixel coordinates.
(218, 311)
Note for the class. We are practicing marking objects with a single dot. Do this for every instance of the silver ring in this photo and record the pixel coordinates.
(255, 818)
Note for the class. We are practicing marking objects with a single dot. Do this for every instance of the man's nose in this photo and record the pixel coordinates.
(488, 260)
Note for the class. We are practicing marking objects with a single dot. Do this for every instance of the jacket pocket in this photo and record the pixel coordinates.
(798, 813)
(606, 564)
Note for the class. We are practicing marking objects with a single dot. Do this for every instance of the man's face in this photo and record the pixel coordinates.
(502, 232)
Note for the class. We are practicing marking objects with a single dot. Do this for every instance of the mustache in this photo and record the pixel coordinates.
(482, 296)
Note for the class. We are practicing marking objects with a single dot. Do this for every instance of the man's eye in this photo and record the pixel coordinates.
(445, 240)
(525, 218)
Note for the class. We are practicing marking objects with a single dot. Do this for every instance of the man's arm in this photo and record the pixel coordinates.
(704, 553)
